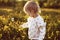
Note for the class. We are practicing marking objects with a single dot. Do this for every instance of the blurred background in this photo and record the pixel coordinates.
(12, 15)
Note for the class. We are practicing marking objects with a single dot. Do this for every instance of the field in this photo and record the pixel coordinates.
(9, 28)
(12, 16)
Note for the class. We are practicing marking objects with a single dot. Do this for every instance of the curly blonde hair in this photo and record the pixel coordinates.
(31, 5)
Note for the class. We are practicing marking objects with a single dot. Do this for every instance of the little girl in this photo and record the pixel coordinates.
(35, 23)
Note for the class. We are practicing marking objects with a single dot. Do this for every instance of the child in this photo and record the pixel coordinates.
(35, 23)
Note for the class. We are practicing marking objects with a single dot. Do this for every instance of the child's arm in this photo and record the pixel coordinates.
(41, 24)
(42, 30)
(41, 27)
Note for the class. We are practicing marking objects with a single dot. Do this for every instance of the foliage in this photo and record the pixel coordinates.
(11, 31)
(10, 22)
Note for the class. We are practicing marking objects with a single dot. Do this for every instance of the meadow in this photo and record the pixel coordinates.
(12, 16)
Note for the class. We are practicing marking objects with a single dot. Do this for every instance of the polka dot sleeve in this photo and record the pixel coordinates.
(40, 22)
(27, 24)
(42, 27)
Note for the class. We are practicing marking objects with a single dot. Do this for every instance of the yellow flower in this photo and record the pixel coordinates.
(5, 27)
(0, 35)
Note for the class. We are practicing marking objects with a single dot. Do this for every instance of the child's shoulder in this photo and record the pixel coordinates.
(29, 19)
(39, 17)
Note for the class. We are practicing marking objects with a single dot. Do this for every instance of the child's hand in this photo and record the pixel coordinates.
(20, 26)
(40, 28)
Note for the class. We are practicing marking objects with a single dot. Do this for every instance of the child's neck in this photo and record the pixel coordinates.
(35, 15)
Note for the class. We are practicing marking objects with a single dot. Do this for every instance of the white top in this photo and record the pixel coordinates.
(37, 27)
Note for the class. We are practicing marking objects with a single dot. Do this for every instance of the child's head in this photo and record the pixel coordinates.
(31, 8)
